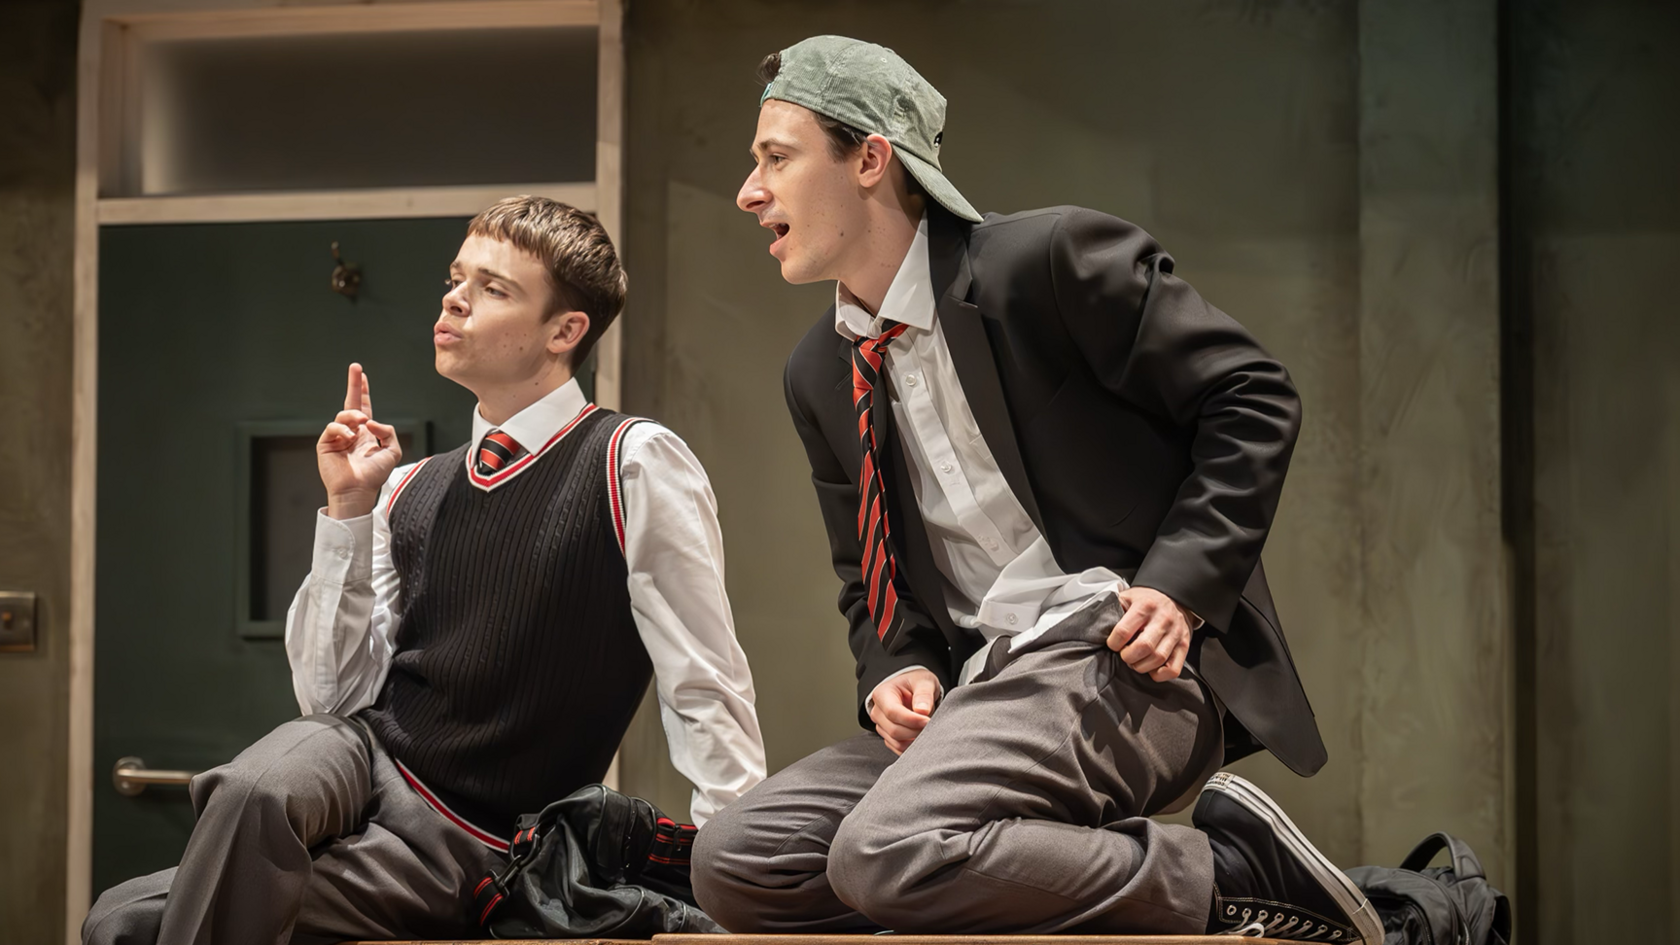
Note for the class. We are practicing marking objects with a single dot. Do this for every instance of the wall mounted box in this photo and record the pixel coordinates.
(17, 621)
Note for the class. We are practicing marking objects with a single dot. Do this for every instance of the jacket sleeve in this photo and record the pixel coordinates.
(837, 497)
(1153, 341)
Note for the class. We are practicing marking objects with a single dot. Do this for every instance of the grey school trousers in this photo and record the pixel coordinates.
(310, 835)
(1022, 807)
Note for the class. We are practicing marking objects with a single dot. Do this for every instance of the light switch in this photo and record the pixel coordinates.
(17, 621)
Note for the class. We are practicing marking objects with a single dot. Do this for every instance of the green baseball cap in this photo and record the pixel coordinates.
(874, 90)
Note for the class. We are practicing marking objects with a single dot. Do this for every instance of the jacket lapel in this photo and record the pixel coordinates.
(972, 355)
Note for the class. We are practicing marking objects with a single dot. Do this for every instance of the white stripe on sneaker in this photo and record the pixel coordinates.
(1347, 896)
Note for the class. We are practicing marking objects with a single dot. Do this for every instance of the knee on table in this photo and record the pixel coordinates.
(726, 884)
(872, 879)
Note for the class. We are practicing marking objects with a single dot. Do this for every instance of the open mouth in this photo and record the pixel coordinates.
(781, 231)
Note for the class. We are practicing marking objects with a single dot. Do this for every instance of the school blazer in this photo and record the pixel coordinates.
(1142, 429)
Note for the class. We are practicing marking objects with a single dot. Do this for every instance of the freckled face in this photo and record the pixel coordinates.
(810, 199)
(495, 328)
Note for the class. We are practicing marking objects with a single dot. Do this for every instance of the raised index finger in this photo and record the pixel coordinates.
(353, 388)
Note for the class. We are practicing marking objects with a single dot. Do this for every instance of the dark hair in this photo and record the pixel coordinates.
(843, 139)
(575, 249)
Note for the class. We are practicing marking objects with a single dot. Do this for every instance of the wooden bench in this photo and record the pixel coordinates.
(874, 940)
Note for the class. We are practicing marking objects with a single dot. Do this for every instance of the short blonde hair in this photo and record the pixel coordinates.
(582, 265)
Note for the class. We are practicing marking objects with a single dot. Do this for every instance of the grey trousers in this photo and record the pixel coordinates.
(310, 835)
(1021, 808)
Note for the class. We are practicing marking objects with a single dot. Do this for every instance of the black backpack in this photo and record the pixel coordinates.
(1421, 904)
(595, 864)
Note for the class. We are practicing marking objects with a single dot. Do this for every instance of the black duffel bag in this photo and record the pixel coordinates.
(596, 864)
(1421, 904)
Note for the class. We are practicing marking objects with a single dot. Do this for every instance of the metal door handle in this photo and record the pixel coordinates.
(131, 776)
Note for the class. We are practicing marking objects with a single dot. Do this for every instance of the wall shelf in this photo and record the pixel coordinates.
(357, 204)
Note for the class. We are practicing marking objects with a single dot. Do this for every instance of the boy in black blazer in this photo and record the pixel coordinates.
(1047, 469)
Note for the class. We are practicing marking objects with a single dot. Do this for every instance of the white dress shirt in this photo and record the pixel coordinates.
(341, 629)
(1000, 577)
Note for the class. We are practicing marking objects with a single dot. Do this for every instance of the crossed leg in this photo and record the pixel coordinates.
(311, 834)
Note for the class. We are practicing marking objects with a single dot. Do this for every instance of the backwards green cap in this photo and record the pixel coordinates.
(874, 90)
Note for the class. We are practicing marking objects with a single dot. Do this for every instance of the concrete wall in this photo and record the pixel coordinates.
(1598, 203)
(1435, 717)
(1324, 170)
(37, 160)
(1304, 184)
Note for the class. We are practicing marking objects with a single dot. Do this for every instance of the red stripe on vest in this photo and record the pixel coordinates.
(398, 490)
(614, 478)
(490, 840)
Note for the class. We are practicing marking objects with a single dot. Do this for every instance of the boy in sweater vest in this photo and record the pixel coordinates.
(476, 632)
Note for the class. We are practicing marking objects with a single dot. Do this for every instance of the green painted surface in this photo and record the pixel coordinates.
(204, 328)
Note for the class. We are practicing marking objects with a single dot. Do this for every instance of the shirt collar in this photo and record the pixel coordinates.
(534, 426)
(909, 299)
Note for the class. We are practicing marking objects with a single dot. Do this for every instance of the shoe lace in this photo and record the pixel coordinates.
(1251, 923)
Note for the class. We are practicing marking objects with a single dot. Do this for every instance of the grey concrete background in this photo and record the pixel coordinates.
(1432, 681)
(1599, 144)
(37, 165)
(1327, 171)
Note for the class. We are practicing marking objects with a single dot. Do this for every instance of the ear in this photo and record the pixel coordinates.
(874, 158)
(566, 331)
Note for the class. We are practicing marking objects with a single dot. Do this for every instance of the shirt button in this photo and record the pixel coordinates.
(344, 554)
(1011, 620)
(944, 467)
(910, 380)
(988, 544)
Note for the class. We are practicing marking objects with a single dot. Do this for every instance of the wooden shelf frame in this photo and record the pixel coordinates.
(358, 204)
(210, 23)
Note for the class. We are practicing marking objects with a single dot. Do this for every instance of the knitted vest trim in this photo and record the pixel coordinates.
(512, 469)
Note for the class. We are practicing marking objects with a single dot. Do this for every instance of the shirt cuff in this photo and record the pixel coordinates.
(343, 548)
(938, 697)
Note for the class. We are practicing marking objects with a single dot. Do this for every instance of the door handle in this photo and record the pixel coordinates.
(131, 776)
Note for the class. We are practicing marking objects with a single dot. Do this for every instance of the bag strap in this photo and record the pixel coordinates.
(1465, 865)
(493, 890)
(673, 843)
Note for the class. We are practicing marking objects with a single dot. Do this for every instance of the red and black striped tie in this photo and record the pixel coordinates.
(880, 571)
(496, 451)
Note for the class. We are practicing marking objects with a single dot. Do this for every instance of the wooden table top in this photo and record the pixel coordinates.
(871, 939)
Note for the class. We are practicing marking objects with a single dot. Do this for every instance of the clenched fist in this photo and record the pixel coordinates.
(901, 706)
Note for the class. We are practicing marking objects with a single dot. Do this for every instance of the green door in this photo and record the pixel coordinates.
(223, 352)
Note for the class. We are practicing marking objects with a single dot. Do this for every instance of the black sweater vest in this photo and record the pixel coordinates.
(518, 665)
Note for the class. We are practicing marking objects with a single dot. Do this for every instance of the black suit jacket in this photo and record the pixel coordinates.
(1142, 429)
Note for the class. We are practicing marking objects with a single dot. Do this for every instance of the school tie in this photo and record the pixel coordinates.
(880, 571)
(496, 451)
